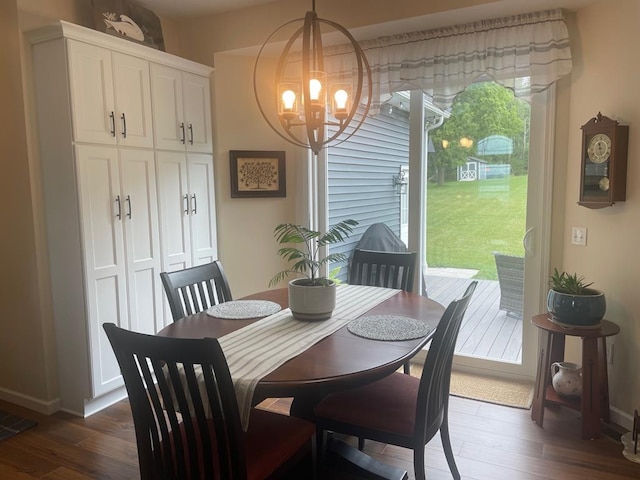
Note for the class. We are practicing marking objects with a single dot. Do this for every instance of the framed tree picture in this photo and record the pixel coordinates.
(257, 174)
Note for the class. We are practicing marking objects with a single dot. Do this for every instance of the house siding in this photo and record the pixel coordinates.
(360, 177)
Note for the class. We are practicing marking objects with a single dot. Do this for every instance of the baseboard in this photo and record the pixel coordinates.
(32, 403)
(620, 418)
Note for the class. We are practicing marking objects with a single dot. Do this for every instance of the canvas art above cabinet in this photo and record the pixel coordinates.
(126, 150)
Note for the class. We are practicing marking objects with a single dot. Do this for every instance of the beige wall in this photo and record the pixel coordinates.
(604, 79)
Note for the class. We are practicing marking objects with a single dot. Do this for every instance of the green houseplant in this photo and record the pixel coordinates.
(311, 295)
(572, 301)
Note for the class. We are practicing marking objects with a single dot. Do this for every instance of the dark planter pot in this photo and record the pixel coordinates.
(579, 310)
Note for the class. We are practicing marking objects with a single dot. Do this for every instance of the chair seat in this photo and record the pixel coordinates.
(272, 440)
(395, 395)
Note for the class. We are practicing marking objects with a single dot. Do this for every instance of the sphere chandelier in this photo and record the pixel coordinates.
(314, 107)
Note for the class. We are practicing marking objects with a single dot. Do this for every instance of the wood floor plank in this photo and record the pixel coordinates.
(490, 442)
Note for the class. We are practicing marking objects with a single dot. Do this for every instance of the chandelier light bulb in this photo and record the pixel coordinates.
(315, 87)
(288, 99)
(341, 97)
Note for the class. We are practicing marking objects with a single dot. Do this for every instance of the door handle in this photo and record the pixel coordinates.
(128, 200)
(194, 208)
(119, 214)
(191, 134)
(185, 203)
(527, 241)
(182, 138)
(124, 126)
(112, 117)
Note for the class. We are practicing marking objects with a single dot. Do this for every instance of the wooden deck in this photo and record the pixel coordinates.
(486, 331)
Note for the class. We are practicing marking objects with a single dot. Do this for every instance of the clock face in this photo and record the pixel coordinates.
(599, 148)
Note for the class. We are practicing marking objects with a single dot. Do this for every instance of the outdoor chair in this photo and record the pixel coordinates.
(401, 409)
(195, 289)
(511, 279)
(188, 426)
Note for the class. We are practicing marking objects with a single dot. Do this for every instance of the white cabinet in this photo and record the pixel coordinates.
(187, 213)
(182, 110)
(119, 224)
(105, 189)
(110, 96)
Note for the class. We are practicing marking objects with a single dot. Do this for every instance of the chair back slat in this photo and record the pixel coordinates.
(433, 393)
(195, 289)
(183, 405)
(382, 269)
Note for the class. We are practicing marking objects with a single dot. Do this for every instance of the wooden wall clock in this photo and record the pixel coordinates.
(603, 176)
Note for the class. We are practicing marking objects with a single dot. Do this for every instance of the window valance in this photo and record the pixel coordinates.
(526, 53)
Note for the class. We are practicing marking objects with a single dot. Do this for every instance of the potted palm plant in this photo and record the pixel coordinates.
(311, 295)
(571, 301)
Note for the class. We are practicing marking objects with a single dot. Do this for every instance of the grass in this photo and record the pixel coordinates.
(467, 221)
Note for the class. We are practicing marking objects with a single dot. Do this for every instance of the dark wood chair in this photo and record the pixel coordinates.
(400, 409)
(188, 425)
(383, 269)
(195, 289)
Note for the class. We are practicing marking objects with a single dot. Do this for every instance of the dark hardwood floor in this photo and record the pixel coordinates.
(490, 443)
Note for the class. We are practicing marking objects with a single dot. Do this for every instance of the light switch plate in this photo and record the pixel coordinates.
(579, 236)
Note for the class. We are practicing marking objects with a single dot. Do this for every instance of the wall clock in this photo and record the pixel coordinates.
(603, 176)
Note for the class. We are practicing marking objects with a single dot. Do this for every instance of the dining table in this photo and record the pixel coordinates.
(338, 361)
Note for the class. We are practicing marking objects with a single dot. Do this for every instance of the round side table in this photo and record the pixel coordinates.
(594, 402)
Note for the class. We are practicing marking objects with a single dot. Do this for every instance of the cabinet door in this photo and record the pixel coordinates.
(91, 86)
(174, 208)
(133, 101)
(168, 110)
(197, 113)
(202, 212)
(104, 259)
(142, 243)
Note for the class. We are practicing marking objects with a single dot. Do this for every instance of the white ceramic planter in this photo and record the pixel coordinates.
(311, 303)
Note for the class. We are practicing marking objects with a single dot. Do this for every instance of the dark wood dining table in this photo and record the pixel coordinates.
(340, 361)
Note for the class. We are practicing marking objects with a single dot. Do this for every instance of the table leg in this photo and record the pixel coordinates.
(604, 379)
(591, 393)
(537, 407)
(342, 456)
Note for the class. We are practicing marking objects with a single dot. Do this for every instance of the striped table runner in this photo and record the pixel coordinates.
(258, 349)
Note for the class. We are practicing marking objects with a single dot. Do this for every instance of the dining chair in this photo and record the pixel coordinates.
(401, 409)
(186, 416)
(383, 269)
(195, 289)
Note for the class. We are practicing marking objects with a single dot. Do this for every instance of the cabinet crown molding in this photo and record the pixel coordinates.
(62, 29)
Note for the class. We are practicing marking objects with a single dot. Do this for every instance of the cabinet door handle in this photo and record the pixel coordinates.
(182, 137)
(194, 210)
(185, 202)
(124, 126)
(128, 200)
(112, 116)
(191, 134)
(119, 214)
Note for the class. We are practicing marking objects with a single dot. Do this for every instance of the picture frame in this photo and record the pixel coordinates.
(257, 173)
(128, 20)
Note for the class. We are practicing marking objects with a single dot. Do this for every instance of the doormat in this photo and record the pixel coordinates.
(501, 391)
(11, 424)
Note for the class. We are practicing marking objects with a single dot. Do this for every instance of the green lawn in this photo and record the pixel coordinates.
(466, 221)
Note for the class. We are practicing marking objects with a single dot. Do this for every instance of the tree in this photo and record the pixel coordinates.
(481, 110)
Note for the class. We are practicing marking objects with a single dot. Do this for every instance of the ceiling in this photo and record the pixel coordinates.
(187, 8)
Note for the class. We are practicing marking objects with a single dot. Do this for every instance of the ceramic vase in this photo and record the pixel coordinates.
(566, 378)
(311, 303)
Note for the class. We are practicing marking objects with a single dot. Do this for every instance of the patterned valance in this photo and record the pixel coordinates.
(526, 53)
